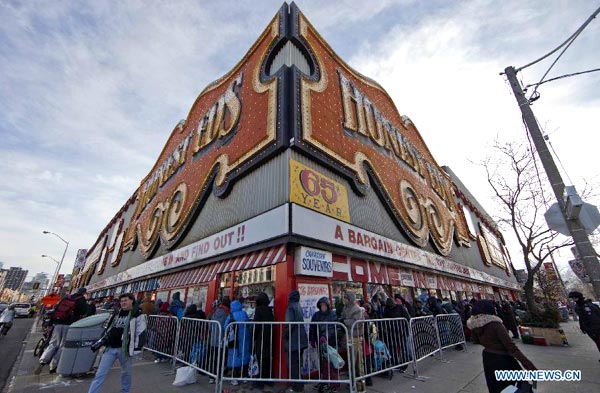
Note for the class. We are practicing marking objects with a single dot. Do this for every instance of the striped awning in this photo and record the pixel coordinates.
(207, 273)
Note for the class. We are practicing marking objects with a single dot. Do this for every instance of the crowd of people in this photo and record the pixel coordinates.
(249, 354)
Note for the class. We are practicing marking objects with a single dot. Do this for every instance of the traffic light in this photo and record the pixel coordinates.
(36, 285)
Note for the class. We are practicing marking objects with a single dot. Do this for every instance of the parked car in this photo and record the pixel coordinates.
(3, 306)
(22, 309)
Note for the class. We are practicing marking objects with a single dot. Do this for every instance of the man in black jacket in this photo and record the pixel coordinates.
(68, 310)
(125, 337)
(589, 316)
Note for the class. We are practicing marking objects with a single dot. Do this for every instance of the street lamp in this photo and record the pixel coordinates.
(61, 260)
(51, 285)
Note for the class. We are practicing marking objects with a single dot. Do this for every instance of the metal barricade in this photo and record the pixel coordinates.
(387, 346)
(425, 340)
(450, 330)
(163, 334)
(200, 345)
(317, 357)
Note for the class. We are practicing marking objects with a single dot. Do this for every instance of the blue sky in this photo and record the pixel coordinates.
(91, 91)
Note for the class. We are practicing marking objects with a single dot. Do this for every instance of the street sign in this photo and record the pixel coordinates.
(579, 270)
(588, 215)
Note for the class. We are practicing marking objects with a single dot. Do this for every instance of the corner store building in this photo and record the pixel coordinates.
(295, 171)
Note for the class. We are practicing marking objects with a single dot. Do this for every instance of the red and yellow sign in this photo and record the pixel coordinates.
(350, 120)
(231, 121)
(311, 189)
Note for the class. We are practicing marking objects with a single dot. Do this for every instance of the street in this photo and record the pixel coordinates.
(10, 346)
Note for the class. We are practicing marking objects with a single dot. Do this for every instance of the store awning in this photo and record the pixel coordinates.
(265, 257)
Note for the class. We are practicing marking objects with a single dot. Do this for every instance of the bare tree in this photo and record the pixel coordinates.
(520, 191)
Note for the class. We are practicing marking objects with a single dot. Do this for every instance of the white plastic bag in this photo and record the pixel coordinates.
(253, 369)
(185, 376)
(310, 361)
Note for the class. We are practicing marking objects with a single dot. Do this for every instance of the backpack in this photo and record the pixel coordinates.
(65, 310)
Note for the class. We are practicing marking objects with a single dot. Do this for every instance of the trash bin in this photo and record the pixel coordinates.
(77, 357)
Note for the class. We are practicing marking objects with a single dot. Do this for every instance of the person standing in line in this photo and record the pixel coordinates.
(147, 306)
(295, 340)
(509, 320)
(321, 335)
(589, 316)
(220, 313)
(500, 352)
(351, 314)
(177, 306)
(238, 355)
(263, 339)
(126, 335)
(68, 310)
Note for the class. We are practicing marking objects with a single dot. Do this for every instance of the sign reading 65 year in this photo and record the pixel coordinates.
(317, 192)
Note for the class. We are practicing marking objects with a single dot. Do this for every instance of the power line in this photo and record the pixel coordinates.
(563, 76)
(571, 38)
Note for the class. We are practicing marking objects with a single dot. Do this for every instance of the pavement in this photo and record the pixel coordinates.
(460, 372)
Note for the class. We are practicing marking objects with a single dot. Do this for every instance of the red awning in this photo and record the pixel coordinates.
(207, 273)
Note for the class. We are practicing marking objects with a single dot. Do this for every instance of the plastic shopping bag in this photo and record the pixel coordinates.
(381, 354)
(253, 369)
(310, 361)
(526, 387)
(185, 376)
(334, 357)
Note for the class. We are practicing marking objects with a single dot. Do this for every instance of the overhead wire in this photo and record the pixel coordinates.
(572, 37)
(563, 76)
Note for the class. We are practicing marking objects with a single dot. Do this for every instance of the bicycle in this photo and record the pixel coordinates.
(43, 342)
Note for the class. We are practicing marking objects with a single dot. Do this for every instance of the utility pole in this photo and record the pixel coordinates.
(576, 229)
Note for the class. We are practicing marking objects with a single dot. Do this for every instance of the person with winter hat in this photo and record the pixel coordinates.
(351, 314)
(322, 334)
(500, 352)
(589, 316)
(295, 339)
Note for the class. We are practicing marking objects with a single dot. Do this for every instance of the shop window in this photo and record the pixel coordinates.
(250, 283)
(163, 295)
(197, 296)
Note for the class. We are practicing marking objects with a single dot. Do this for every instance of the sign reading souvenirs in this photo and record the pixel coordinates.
(215, 143)
(317, 192)
(313, 262)
(354, 126)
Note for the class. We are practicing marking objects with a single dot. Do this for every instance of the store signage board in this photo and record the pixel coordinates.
(230, 129)
(318, 192)
(350, 123)
(313, 262)
(349, 236)
(266, 226)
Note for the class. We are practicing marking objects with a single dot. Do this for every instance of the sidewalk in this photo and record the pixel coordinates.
(462, 374)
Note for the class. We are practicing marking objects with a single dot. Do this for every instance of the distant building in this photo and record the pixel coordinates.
(14, 278)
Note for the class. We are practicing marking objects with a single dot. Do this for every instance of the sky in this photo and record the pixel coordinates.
(90, 92)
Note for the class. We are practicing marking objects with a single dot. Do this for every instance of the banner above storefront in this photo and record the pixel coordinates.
(349, 236)
(269, 225)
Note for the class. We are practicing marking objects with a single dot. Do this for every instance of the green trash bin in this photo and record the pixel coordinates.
(77, 357)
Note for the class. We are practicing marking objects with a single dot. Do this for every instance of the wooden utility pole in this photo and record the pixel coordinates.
(576, 229)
